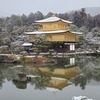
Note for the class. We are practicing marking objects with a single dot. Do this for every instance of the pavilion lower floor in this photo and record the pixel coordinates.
(56, 46)
(63, 47)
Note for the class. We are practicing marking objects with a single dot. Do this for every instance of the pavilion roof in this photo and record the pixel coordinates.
(53, 19)
(27, 44)
(50, 32)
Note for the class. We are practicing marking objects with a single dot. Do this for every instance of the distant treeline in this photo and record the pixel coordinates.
(79, 18)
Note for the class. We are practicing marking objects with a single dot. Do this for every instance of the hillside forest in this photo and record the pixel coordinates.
(13, 27)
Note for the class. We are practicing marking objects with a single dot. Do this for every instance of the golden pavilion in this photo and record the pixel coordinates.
(58, 32)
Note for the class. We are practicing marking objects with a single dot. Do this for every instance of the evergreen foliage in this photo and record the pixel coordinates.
(13, 27)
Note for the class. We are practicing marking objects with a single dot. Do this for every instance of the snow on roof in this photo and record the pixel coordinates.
(50, 32)
(45, 32)
(66, 21)
(76, 32)
(52, 19)
(27, 44)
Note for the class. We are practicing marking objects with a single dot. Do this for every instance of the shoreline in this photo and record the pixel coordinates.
(42, 57)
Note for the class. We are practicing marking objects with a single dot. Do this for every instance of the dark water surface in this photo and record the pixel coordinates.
(66, 78)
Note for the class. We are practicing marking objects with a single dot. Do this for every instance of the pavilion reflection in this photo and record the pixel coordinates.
(44, 77)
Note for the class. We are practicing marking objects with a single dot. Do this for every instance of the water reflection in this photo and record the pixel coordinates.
(90, 70)
(43, 77)
(79, 71)
(5, 73)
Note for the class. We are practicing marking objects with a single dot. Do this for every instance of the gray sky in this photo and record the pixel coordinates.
(18, 7)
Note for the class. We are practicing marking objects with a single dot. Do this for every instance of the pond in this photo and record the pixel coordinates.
(68, 77)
